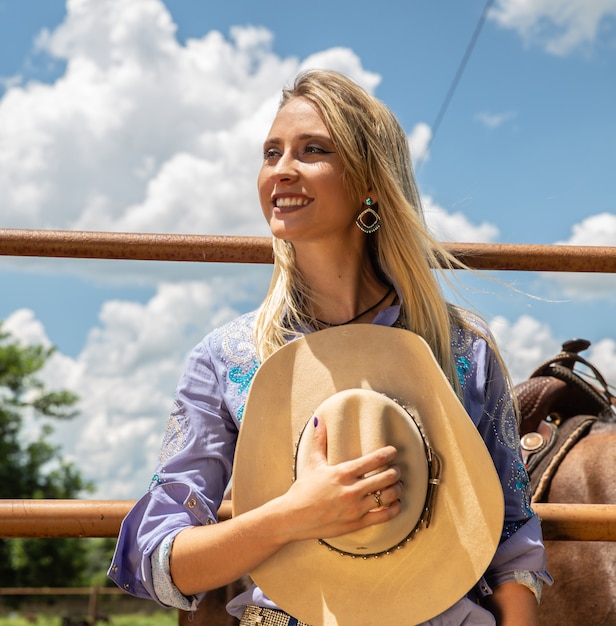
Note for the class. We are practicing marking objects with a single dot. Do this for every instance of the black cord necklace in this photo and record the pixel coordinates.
(374, 306)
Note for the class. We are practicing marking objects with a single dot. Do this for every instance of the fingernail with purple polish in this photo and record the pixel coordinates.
(316, 421)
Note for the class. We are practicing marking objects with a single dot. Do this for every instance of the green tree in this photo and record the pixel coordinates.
(33, 467)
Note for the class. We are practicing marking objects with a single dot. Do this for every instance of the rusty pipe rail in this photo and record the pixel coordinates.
(134, 246)
(577, 522)
(225, 249)
(61, 591)
(68, 518)
(102, 518)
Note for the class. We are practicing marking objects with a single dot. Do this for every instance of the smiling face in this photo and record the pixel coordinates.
(301, 188)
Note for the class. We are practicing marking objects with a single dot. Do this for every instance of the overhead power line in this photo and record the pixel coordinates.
(458, 75)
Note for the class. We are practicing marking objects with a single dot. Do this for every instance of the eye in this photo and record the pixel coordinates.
(270, 153)
(316, 149)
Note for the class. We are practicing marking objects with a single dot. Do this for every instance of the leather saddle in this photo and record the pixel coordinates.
(558, 406)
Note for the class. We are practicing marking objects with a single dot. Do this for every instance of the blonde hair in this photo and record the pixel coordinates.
(376, 157)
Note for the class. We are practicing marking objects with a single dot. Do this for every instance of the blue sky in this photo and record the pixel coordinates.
(144, 115)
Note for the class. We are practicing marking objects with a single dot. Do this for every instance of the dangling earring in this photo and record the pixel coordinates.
(375, 223)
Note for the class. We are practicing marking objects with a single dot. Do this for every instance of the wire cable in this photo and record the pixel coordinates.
(458, 75)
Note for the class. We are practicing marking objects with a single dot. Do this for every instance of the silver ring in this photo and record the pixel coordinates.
(377, 498)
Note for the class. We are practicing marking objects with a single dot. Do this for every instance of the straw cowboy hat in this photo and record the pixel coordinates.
(373, 386)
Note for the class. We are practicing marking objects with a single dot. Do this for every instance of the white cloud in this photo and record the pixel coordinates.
(603, 356)
(344, 61)
(419, 143)
(142, 133)
(527, 343)
(125, 377)
(456, 226)
(23, 326)
(494, 120)
(596, 230)
(559, 26)
(524, 344)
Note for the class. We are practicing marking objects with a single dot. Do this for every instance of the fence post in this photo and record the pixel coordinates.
(212, 611)
(93, 606)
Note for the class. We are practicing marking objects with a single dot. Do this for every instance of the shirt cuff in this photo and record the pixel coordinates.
(530, 580)
(166, 592)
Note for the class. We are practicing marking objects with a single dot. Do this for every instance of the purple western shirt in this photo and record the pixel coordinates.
(196, 461)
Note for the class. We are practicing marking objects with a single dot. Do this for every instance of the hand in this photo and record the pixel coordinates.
(332, 500)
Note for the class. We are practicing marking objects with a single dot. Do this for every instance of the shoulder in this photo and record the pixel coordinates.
(473, 349)
(233, 343)
(470, 333)
(230, 352)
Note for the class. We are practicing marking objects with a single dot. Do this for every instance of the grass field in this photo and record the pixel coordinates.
(55, 611)
(160, 618)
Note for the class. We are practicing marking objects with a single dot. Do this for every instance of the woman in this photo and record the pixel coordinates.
(337, 189)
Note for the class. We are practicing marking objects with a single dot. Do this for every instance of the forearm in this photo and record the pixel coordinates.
(207, 557)
(325, 501)
(513, 605)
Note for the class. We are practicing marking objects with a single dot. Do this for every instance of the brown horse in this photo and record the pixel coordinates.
(568, 433)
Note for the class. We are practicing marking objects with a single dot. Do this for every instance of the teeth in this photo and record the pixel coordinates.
(289, 202)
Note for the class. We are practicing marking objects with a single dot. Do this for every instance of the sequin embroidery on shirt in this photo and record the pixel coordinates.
(461, 347)
(463, 366)
(174, 438)
(237, 344)
(461, 340)
(236, 349)
(508, 435)
(241, 377)
(156, 480)
(501, 417)
(521, 484)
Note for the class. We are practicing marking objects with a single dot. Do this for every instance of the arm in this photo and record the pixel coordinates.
(513, 605)
(518, 568)
(172, 531)
(325, 501)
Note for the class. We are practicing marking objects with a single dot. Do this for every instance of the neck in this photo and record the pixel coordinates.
(371, 310)
(345, 286)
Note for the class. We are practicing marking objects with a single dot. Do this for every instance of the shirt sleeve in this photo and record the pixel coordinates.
(190, 480)
(520, 556)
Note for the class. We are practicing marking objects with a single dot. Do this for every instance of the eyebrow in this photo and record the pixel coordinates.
(302, 137)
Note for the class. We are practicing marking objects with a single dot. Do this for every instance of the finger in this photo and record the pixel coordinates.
(318, 449)
(384, 497)
(387, 477)
(373, 462)
(378, 503)
(378, 515)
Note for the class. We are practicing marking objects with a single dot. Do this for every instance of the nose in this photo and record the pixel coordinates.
(285, 167)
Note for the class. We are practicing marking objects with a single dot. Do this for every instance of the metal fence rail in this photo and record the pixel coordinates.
(102, 518)
(220, 249)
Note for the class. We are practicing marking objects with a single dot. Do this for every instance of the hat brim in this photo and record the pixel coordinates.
(442, 562)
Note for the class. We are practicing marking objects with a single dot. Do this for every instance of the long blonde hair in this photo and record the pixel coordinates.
(375, 154)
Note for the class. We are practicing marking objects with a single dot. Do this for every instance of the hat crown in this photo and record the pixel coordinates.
(360, 421)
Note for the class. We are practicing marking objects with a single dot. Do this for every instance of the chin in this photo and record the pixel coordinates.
(281, 231)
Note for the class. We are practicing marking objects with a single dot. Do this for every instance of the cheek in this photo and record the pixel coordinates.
(264, 191)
